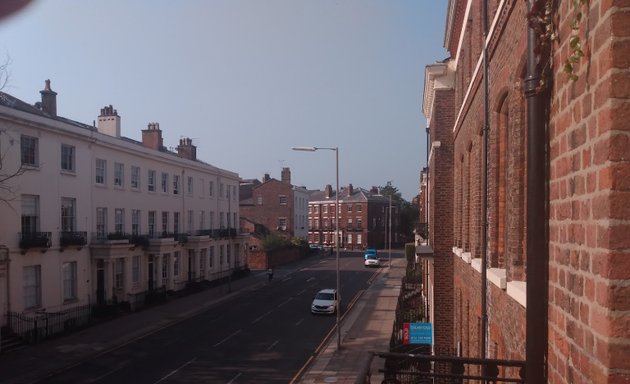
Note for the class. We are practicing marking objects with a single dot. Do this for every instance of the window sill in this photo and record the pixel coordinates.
(518, 291)
(467, 257)
(68, 172)
(498, 277)
(476, 264)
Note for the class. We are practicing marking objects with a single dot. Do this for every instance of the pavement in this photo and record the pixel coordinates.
(367, 326)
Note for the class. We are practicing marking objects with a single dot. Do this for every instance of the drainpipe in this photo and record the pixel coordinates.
(537, 249)
(484, 207)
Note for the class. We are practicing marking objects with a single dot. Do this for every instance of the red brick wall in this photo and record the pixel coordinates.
(441, 219)
(589, 250)
(268, 213)
(506, 184)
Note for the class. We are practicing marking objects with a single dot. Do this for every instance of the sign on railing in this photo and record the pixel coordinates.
(417, 333)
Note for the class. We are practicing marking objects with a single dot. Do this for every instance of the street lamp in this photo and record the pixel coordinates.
(336, 149)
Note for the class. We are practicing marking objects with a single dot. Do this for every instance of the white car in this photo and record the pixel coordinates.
(325, 302)
(372, 261)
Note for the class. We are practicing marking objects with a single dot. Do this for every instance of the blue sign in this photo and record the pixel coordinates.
(418, 333)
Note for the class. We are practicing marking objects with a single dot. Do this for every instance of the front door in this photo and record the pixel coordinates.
(151, 274)
(100, 282)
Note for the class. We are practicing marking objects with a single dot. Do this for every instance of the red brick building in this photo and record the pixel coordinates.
(275, 205)
(496, 141)
(363, 218)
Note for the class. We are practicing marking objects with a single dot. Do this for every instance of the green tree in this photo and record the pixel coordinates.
(408, 211)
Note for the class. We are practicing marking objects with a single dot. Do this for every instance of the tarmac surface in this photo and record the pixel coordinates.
(366, 327)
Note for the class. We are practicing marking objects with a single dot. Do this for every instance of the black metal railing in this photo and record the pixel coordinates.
(34, 327)
(406, 368)
(68, 239)
(35, 240)
(414, 363)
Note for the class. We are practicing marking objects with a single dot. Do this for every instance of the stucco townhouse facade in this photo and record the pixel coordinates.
(527, 187)
(92, 217)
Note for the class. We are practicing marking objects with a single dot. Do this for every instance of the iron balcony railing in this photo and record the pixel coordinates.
(35, 240)
(67, 239)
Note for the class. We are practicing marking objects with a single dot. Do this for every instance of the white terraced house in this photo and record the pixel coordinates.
(94, 218)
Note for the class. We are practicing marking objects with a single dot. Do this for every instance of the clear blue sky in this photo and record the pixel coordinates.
(245, 79)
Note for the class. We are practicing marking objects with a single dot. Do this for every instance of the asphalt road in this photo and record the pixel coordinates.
(265, 336)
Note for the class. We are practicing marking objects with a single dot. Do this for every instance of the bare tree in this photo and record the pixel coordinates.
(6, 190)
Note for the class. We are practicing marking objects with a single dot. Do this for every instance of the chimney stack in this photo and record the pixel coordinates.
(49, 100)
(109, 121)
(186, 149)
(152, 136)
(286, 175)
(266, 178)
(328, 191)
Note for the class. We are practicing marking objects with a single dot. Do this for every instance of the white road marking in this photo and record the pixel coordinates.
(285, 302)
(176, 370)
(235, 377)
(273, 345)
(299, 322)
(310, 279)
(260, 317)
(228, 338)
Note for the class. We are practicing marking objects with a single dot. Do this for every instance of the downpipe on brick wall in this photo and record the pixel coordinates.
(537, 223)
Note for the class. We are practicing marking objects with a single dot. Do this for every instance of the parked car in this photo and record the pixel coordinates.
(369, 252)
(372, 261)
(316, 247)
(325, 302)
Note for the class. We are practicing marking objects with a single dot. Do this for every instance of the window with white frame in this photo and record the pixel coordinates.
(221, 252)
(259, 200)
(32, 280)
(175, 222)
(164, 182)
(176, 264)
(101, 222)
(222, 220)
(100, 172)
(202, 219)
(119, 174)
(234, 219)
(69, 271)
(119, 275)
(203, 254)
(359, 239)
(165, 258)
(68, 214)
(227, 255)
(135, 177)
(68, 158)
(119, 220)
(190, 185)
(221, 190)
(282, 199)
(135, 270)
(211, 188)
(135, 222)
(29, 147)
(211, 257)
(359, 223)
(191, 219)
(175, 184)
(164, 222)
(211, 224)
(151, 223)
(151, 180)
(30, 214)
